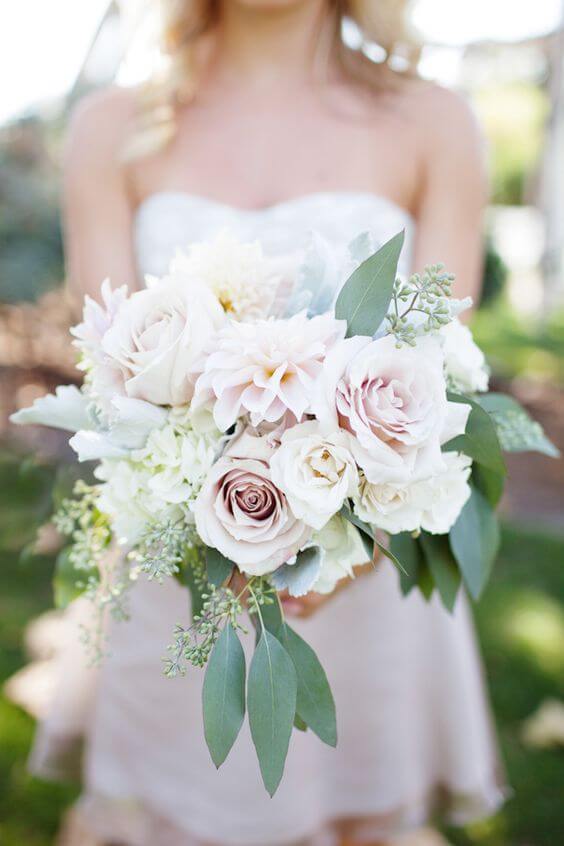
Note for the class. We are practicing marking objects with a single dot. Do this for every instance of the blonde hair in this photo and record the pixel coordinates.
(183, 23)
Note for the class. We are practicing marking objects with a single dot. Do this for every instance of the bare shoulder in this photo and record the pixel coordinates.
(98, 129)
(442, 120)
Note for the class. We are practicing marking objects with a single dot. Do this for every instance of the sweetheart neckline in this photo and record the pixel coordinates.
(299, 199)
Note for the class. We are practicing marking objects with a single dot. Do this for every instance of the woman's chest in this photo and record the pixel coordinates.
(253, 157)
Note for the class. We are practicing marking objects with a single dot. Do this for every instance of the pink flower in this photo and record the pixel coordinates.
(266, 368)
(97, 319)
(393, 401)
(242, 513)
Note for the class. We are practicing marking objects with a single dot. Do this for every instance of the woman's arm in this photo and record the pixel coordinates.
(96, 206)
(453, 190)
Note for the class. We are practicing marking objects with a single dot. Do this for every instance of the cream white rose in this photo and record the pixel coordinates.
(157, 338)
(316, 472)
(393, 402)
(465, 363)
(341, 550)
(243, 514)
(431, 504)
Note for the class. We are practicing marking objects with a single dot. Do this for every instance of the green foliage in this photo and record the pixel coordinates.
(315, 706)
(474, 540)
(219, 569)
(480, 441)
(365, 297)
(441, 566)
(271, 703)
(224, 694)
(516, 430)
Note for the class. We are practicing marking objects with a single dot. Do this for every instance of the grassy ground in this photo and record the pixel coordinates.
(521, 623)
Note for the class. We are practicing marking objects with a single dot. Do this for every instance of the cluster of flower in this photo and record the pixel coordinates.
(203, 408)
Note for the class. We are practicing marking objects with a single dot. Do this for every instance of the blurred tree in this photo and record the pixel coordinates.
(514, 116)
(31, 255)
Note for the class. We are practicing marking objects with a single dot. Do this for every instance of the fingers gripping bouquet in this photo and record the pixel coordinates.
(247, 454)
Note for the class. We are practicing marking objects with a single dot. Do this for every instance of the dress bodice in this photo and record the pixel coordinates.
(169, 220)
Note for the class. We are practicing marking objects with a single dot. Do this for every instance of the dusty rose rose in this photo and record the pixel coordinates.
(393, 401)
(242, 513)
(267, 368)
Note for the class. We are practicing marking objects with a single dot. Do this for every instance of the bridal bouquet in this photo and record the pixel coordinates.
(253, 436)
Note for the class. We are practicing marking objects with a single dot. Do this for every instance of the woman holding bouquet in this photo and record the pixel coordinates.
(267, 124)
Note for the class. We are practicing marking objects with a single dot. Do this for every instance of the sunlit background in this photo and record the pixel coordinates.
(507, 57)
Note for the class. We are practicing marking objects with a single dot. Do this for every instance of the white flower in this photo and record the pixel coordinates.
(126, 497)
(431, 504)
(243, 279)
(465, 363)
(393, 402)
(316, 472)
(266, 369)
(341, 550)
(179, 459)
(157, 338)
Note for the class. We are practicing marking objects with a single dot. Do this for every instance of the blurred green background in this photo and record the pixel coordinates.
(520, 325)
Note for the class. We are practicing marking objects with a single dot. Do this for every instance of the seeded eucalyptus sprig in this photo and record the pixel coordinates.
(426, 294)
(193, 645)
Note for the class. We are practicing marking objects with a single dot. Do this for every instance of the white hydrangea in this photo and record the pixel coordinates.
(162, 480)
(244, 280)
(465, 363)
(431, 504)
(126, 497)
(178, 459)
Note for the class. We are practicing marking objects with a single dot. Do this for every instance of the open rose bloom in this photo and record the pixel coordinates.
(252, 448)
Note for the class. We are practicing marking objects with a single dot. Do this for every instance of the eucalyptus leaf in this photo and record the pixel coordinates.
(219, 568)
(223, 695)
(474, 540)
(407, 549)
(480, 441)
(271, 702)
(442, 567)
(299, 578)
(299, 724)
(489, 482)
(516, 429)
(365, 297)
(315, 705)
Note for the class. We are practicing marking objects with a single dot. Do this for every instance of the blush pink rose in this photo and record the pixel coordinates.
(393, 401)
(242, 513)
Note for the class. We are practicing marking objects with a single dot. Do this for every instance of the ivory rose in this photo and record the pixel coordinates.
(431, 504)
(316, 472)
(243, 514)
(157, 338)
(394, 403)
(267, 368)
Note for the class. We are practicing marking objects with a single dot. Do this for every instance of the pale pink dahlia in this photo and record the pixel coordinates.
(266, 369)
